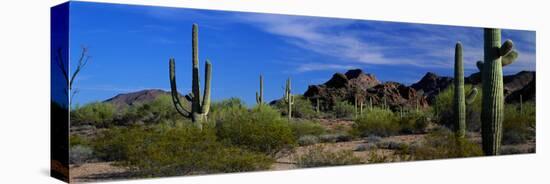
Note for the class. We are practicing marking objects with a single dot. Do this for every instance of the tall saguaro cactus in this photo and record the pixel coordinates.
(495, 57)
(260, 95)
(288, 98)
(199, 106)
(459, 101)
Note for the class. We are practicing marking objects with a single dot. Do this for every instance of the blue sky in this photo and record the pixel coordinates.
(130, 47)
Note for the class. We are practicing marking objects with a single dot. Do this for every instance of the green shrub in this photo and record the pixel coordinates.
(261, 129)
(97, 114)
(414, 122)
(318, 156)
(302, 107)
(377, 121)
(306, 127)
(518, 127)
(181, 150)
(160, 110)
(443, 143)
(343, 109)
(443, 109)
(78, 140)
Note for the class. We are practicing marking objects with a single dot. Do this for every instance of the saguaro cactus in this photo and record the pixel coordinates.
(495, 56)
(459, 102)
(260, 95)
(199, 106)
(288, 98)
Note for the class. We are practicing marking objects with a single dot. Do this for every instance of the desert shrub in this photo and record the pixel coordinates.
(231, 102)
(377, 121)
(318, 156)
(307, 140)
(392, 145)
(80, 154)
(77, 140)
(181, 150)
(414, 122)
(443, 109)
(261, 129)
(160, 110)
(343, 109)
(365, 147)
(306, 127)
(518, 126)
(443, 143)
(97, 114)
(373, 139)
(302, 107)
(335, 137)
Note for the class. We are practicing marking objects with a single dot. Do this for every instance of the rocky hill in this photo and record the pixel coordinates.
(355, 83)
(134, 98)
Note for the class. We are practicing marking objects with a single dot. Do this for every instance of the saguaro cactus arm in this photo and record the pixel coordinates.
(205, 107)
(471, 96)
(174, 91)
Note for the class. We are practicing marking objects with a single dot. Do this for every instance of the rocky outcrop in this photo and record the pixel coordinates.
(356, 83)
(431, 85)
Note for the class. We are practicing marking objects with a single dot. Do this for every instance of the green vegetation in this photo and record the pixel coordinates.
(376, 121)
(318, 156)
(306, 127)
(162, 151)
(160, 110)
(97, 114)
(443, 143)
(519, 125)
(444, 102)
(301, 107)
(343, 109)
(260, 129)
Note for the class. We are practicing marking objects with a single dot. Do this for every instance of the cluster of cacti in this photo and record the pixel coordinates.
(459, 101)
(260, 95)
(288, 98)
(495, 57)
(199, 106)
(358, 106)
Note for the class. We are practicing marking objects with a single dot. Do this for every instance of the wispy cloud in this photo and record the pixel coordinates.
(308, 67)
(380, 43)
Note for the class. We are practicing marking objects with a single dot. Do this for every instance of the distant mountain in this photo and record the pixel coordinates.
(521, 83)
(134, 98)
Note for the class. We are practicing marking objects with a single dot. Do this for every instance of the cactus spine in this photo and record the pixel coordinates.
(260, 96)
(288, 98)
(199, 106)
(495, 57)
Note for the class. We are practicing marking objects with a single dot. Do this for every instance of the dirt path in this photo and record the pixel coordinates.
(101, 171)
